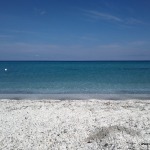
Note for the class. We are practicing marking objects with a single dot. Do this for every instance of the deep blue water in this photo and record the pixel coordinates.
(83, 78)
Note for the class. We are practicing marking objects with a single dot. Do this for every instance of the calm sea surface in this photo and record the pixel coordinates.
(99, 78)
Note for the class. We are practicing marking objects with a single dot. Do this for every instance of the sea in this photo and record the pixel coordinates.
(77, 80)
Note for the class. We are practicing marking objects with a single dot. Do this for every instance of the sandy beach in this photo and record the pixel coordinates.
(74, 125)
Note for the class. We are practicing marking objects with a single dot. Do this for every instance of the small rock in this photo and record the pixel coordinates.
(106, 144)
(89, 141)
(65, 130)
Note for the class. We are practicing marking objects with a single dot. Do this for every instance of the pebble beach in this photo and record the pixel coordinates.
(74, 124)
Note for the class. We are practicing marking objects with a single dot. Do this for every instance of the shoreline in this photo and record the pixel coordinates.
(82, 96)
(74, 124)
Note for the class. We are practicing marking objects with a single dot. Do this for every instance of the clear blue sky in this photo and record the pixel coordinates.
(75, 30)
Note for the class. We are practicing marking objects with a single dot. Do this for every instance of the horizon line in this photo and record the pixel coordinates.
(68, 60)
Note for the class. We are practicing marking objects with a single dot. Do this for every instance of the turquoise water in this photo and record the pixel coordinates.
(82, 78)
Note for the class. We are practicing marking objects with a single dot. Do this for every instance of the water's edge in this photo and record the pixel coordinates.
(75, 96)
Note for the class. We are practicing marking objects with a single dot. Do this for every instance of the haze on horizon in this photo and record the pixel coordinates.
(74, 30)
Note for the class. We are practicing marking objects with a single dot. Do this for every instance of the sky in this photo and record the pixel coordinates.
(74, 29)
